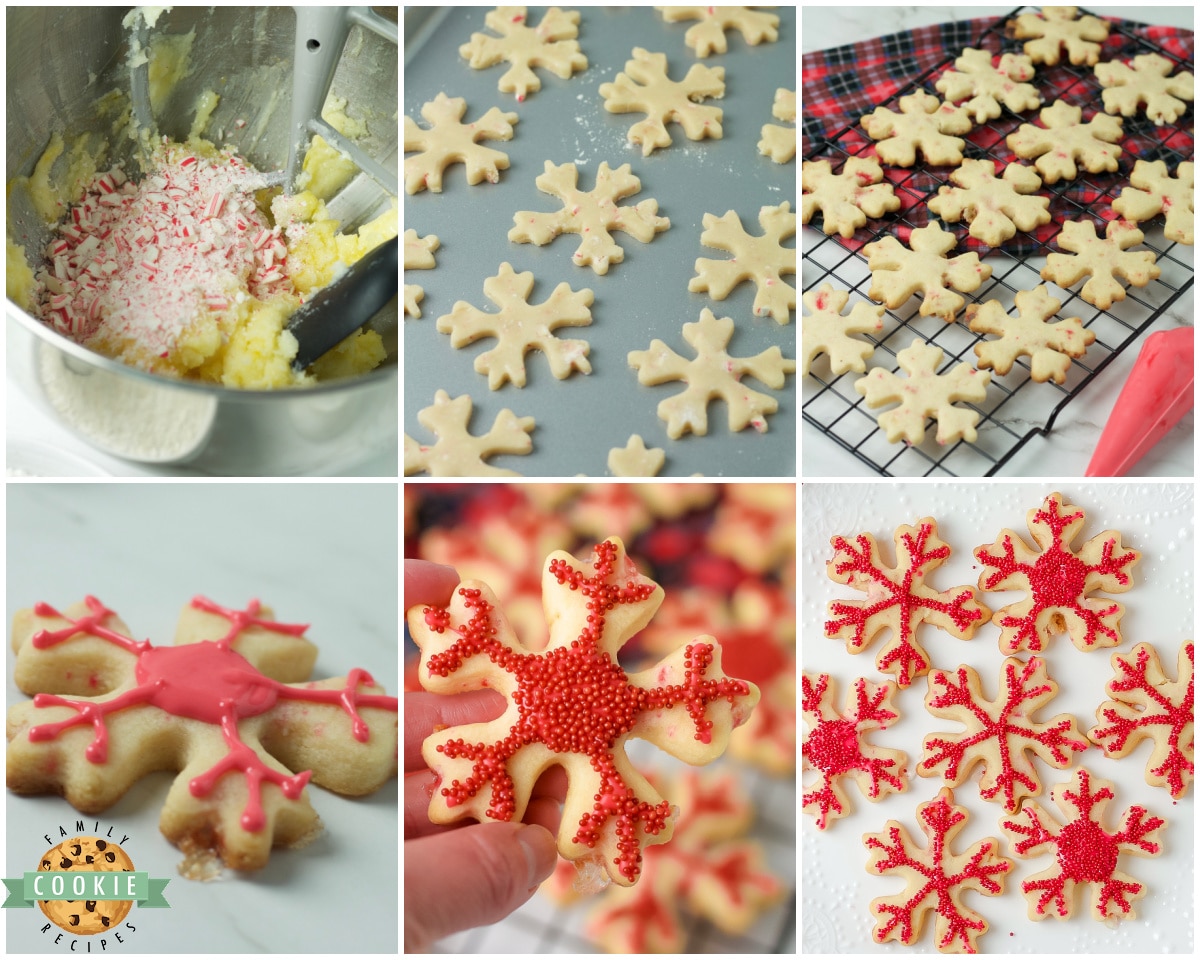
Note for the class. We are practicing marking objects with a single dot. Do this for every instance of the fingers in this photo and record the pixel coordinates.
(465, 878)
(427, 583)
(545, 805)
(426, 712)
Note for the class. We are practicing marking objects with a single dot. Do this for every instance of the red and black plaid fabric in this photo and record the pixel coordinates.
(844, 83)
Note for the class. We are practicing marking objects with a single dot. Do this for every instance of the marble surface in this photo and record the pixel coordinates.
(1077, 430)
(324, 554)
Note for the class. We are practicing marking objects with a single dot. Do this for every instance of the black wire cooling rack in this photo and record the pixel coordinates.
(1016, 408)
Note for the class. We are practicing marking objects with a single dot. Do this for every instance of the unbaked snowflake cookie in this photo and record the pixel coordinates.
(714, 373)
(989, 86)
(763, 260)
(899, 598)
(826, 330)
(635, 460)
(551, 45)
(1102, 260)
(1064, 139)
(708, 36)
(1148, 706)
(779, 143)
(448, 140)
(458, 453)
(644, 87)
(923, 122)
(1060, 580)
(1145, 80)
(591, 215)
(1152, 191)
(572, 705)
(521, 326)
(845, 199)
(995, 207)
(998, 733)
(936, 878)
(836, 748)
(1056, 28)
(1050, 346)
(925, 393)
(418, 255)
(1085, 852)
(898, 272)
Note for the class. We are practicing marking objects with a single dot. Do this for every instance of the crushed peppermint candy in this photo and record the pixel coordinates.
(143, 261)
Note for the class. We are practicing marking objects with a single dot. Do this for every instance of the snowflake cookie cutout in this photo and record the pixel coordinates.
(937, 878)
(898, 272)
(1148, 706)
(708, 36)
(899, 598)
(1085, 852)
(592, 215)
(1102, 260)
(1064, 139)
(989, 86)
(448, 140)
(845, 199)
(924, 122)
(1145, 80)
(573, 705)
(458, 453)
(925, 393)
(714, 373)
(1059, 579)
(521, 326)
(418, 255)
(644, 87)
(779, 143)
(1153, 191)
(1050, 346)
(826, 331)
(762, 259)
(999, 733)
(1056, 28)
(551, 45)
(836, 748)
(995, 207)
(635, 460)
(229, 708)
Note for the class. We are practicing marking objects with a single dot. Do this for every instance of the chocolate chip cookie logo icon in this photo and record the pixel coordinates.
(86, 885)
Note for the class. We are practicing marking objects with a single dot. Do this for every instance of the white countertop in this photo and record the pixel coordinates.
(1077, 430)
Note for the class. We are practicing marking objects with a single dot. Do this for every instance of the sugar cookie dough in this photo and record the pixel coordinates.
(708, 36)
(448, 140)
(458, 453)
(418, 255)
(635, 460)
(551, 44)
(779, 143)
(761, 259)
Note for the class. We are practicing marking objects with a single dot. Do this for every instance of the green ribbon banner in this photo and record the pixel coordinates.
(67, 885)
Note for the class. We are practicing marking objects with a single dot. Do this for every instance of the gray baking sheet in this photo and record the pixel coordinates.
(581, 418)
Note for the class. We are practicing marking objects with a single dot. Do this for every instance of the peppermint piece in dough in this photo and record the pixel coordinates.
(457, 453)
(708, 36)
(520, 327)
(925, 393)
(635, 460)
(418, 255)
(988, 86)
(1153, 191)
(826, 331)
(1145, 80)
(551, 45)
(591, 215)
(779, 143)
(448, 141)
(714, 373)
(1050, 346)
(644, 87)
(1104, 260)
(1063, 138)
(761, 259)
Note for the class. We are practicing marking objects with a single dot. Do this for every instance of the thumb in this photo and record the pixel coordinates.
(470, 877)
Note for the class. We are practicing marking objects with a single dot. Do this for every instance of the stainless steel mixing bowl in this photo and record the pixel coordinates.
(60, 62)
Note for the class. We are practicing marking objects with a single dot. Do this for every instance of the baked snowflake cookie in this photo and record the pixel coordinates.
(936, 878)
(1050, 346)
(1152, 191)
(985, 87)
(1085, 852)
(448, 140)
(845, 199)
(836, 748)
(924, 122)
(1060, 579)
(229, 708)
(1148, 706)
(826, 331)
(1059, 28)
(995, 207)
(550, 45)
(572, 705)
(1103, 260)
(1146, 80)
(998, 734)
(1064, 142)
(898, 272)
(899, 598)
